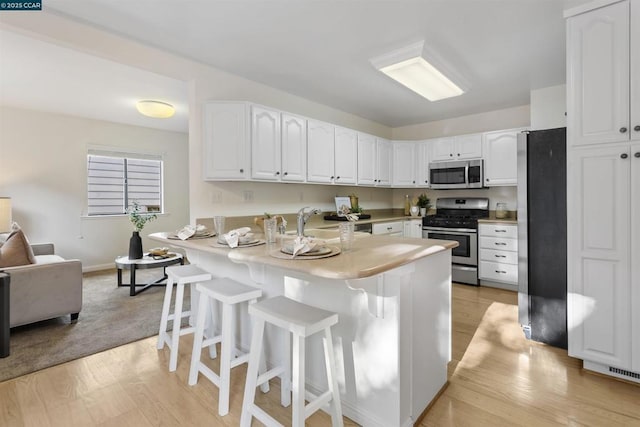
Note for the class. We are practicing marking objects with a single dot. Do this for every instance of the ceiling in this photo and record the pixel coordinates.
(318, 50)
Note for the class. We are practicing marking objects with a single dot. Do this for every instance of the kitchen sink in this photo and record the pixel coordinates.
(328, 234)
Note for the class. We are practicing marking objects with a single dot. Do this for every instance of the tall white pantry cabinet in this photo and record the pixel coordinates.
(603, 103)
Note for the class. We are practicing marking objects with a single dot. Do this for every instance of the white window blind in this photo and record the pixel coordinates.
(115, 182)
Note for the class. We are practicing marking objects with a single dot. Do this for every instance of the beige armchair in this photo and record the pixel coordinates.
(51, 287)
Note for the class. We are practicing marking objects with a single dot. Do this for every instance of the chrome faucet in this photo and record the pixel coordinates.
(303, 217)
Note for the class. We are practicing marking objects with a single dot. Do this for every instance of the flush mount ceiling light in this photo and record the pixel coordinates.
(422, 71)
(155, 109)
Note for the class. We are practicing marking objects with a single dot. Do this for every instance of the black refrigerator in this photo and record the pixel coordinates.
(542, 235)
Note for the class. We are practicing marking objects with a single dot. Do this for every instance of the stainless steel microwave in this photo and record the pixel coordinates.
(458, 174)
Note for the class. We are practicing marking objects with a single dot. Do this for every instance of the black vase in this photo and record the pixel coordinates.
(135, 246)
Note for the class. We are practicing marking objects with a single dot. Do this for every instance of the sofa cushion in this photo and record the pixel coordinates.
(48, 259)
(16, 251)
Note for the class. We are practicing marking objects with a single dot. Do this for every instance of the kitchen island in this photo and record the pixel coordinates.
(393, 298)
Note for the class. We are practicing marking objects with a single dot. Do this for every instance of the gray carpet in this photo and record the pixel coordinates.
(109, 318)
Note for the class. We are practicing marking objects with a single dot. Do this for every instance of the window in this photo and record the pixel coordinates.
(115, 181)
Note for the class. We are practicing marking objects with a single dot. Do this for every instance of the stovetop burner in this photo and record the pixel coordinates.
(458, 213)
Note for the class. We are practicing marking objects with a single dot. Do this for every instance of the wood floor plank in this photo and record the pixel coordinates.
(496, 378)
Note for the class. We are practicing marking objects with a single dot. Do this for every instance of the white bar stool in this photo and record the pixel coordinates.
(180, 275)
(302, 321)
(229, 293)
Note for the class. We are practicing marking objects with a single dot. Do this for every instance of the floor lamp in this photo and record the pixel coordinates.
(5, 214)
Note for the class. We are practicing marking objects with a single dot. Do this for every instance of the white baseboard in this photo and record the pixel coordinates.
(98, 267)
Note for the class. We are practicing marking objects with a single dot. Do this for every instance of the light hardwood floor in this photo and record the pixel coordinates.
(497, 378)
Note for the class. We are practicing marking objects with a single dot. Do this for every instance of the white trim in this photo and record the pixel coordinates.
(596, 4)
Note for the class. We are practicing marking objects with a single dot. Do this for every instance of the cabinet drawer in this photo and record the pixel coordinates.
(500, 272)
(504, 257)
(498, 243)
(499, 230)
(388, 227)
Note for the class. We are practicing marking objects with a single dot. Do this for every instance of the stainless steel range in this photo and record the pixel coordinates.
(457, 219)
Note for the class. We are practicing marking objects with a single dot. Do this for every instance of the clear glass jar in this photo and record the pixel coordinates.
(501, 210)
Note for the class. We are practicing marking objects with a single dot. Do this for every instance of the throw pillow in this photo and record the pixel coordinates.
(16, 251)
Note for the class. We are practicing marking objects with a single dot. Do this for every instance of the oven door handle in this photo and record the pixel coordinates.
(451, 230)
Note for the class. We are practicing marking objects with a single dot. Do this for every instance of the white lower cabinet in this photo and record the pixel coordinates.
(413, 228)
(392, 228)
(498, 255)
(601, 194)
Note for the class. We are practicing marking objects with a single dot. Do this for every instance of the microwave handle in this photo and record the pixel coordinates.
(466, 174)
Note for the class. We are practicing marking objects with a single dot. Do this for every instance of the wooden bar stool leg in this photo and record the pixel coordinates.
(332, 380)
(213, 309)
(298, 380)
(225, 360)
(197, 340)
(285, 378)
(165, 314)
(175, 333)
(252, 372)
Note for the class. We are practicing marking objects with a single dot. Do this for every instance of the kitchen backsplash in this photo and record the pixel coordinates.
(506, 195)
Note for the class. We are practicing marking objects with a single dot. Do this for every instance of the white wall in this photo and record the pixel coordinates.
(44, 162)
(548, 107)
(506, 195)
(492, 120)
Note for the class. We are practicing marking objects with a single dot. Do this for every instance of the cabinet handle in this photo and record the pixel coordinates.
(500, 244)
(501, 272)
(623, 156)
(426, 182)
(451, 155)
(637, 154)
(241, 170)
(286, 173)
(487, 179)
(331, 176)
(414, 182)
(501, 231)
(500, 256)
(623, 129)
(337, 177)
(637, 128)
(277, 173)
(458, 154)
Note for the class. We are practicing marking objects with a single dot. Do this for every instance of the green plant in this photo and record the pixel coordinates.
(138, 218)
(423, 201)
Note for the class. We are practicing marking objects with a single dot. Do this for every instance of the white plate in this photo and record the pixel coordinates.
(322, 250)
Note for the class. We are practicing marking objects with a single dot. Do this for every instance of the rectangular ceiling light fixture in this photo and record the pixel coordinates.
(409, 67)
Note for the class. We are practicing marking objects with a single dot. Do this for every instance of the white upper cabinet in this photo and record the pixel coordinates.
(294, 148)
(422, 165)
(320, 151)
(500, 153)
(404, 164)
(265, 143)
(635, 71)
(366, 159)
(384, 155)
(346, 156)
(226, 148)
(457, 147)
(598, 80)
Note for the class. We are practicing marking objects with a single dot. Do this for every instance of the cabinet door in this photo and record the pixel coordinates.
(226, 141)
(320, 151)
(294, 148)
(468, 146)
(598, 303)
(404, 164)
(346, 156)
(635, 71)
(366, 159)
(500, 150)
(442, 149)
(635, 253)
(422, 164)
(384, 157)
(413, 228)
(598, 75)
(265, 143)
